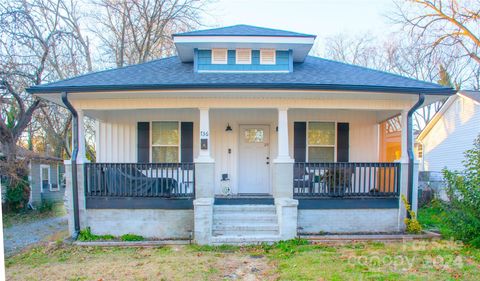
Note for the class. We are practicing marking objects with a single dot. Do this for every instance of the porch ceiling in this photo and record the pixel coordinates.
(182, 97)
(105, 115)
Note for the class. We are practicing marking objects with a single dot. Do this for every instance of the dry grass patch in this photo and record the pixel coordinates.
(292, 260)
(60, 262)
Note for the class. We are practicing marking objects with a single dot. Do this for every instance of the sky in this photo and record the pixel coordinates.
(323, 18)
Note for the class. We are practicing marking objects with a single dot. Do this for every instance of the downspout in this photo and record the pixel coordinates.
(76, 215)
(410, 152)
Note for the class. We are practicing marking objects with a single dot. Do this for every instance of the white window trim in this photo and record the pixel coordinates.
(215, 61)
(168, 145)
(317, 145)
(43, 166)
(249, 56)
(274, 56)
(59, 180)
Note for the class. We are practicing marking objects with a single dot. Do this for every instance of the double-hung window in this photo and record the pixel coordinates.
(165, 142)
(321, 141)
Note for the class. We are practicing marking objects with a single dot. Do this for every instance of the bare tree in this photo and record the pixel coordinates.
(450, 23)
(135, 31)
(40, 40)
(403, 56)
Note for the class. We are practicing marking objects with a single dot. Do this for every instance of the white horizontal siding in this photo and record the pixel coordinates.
(451, 136)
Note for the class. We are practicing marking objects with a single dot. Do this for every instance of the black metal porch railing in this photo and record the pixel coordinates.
(318, 180)
(160, 180)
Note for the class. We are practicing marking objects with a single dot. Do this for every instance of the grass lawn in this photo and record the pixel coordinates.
(10, 219)
(420, 260)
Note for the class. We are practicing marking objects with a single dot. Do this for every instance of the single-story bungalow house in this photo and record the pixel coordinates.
(240, 138)
(46, 177)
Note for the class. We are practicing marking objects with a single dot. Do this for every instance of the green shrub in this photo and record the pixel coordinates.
(131, 237)
(17, 194)
(87, 235)
(412, 224)
(463, 209)
(289, 247)
(46, 206)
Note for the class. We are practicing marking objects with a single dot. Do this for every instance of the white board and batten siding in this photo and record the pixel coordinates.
(454, 132)
(117, 134)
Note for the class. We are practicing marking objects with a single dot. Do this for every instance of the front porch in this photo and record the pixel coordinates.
(214, 173)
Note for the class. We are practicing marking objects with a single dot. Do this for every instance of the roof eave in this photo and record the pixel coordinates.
(263, 86)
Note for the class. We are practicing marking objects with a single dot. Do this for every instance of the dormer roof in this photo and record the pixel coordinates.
(243, 36)
(244, 30)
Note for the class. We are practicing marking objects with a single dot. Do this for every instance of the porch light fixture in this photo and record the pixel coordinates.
(228, 129)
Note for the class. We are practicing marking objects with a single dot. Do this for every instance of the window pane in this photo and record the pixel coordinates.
(321, 154)
(165, 154)
(45, 174)
(321, 133)
(253, 135)
(165, 133)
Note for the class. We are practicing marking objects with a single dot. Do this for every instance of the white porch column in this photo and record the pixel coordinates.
(204, 154)
(283, 154)
(404, 158)
(82, 152)
(204, 184)
(283, 181)
(404, 171)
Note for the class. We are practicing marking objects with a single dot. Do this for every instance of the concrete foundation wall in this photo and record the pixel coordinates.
(149, 223)
(348, 220)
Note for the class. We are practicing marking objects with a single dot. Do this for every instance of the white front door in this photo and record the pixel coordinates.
(254, 159)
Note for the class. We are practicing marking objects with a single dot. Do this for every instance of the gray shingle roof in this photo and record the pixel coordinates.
(313, 73)
(243, 30)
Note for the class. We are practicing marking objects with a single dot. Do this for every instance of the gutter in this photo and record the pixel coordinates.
(76, 215)
(410, 153)
(249, 86)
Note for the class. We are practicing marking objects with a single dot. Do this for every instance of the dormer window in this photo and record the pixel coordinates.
(267, 56)
(219, 56)
(243, 56)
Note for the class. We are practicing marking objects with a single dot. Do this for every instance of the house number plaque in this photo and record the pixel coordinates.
(204, 144)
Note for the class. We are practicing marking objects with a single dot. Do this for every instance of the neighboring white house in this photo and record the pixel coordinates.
(450, 133)
(241, 138)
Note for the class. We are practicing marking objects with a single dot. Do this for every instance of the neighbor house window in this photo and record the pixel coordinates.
(44, 177)
(267, 56)
(219, 56)
(321, 141)
(243, 56)
(61, 176)
(165, 142)
(418, 148)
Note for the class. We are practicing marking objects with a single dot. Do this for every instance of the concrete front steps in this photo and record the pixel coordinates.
(244, 224)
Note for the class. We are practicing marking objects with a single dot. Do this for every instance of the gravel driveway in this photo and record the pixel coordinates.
(20, 236)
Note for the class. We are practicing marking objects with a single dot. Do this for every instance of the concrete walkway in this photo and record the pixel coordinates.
(20, 236)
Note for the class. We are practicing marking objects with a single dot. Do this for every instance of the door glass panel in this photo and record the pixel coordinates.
(165, 154)
(254, 135)
(321, 133)
(321, 154)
